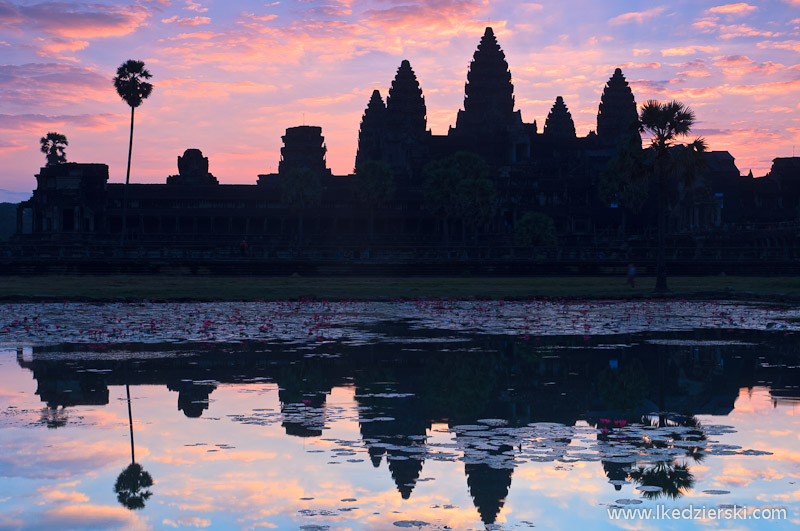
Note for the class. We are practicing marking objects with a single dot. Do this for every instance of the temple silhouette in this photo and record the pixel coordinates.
(305, 214)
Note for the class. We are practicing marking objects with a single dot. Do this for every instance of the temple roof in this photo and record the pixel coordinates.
(371, 132)
(405, 105)
(489, 93)
(617, 112)
(559, 124)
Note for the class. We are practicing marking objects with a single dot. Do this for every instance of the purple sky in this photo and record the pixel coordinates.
(231, 76)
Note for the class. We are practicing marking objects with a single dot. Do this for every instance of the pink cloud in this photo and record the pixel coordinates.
(36, 124)
(52, 84)
(193, 21)
(195, 6)
(86, 515)
(732, 60)
(447, 17)
(636, 17)
(741, 8)
(780, 45)
(74, 20)
(687, 50)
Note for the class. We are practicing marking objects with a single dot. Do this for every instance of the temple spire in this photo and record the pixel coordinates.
(407, 137)
(617, 116)
(405, 105)
(371, 135)
(489, 93)
(559, 124)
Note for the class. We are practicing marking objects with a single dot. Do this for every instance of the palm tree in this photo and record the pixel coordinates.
(665, 122)
(53, 145)
(132, 88)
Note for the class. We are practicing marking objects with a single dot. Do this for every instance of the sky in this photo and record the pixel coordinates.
(230, 76)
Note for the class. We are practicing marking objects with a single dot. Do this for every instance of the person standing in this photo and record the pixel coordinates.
(631, 275)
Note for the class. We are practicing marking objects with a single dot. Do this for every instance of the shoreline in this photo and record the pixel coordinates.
(164, 288)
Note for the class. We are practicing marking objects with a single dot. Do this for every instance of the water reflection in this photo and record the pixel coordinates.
(493, 405)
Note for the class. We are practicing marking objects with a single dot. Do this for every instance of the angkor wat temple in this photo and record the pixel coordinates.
(721, 215)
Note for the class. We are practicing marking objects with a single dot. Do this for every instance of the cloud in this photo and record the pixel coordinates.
(636, 17)
(732, 60)
(447, 17)
(193, 21)
(780, 45)
(36, 122)
(18, 458)
(194, 6)
(687, 50)
(74, 20)
(741, 8)
(187, 521)
(52, 84)
(694, 69)
(89, 516)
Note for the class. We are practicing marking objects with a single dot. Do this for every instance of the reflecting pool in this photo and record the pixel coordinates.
(423, 414)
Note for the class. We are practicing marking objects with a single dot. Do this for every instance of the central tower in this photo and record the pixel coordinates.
(488, 124)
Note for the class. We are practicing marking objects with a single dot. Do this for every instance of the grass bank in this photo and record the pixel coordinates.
(238, 288)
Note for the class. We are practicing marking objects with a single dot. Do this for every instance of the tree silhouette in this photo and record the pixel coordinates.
(624, 181)
(535, 228)
(675, 479)
(301, 188)
(131, 486)
(53, 145)
(665, 122)
(374, 186)
(458, 186)
(133, 89)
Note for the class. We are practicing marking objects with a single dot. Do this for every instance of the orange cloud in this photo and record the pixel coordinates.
(636, 17)
(93, 516)
(194, 6)
(741, 8)
(687, 50)
(62, 496)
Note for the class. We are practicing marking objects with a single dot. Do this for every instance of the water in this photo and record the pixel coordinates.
(421, 415)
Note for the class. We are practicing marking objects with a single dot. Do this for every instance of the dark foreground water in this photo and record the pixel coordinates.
(429, 414)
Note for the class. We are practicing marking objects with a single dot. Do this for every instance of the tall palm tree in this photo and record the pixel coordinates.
(131, 87)
(665, 123)
(53, 145)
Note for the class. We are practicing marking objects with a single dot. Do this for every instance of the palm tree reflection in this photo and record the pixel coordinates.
(674, 479)
(131, 486)
(133, 483)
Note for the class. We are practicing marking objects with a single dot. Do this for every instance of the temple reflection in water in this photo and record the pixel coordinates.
(503, 400)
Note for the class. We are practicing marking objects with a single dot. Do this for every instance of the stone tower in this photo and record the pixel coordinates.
(559, 125)
(372, 133)
(406, 123)
(617, 117)
(488, 124)
(303, 147)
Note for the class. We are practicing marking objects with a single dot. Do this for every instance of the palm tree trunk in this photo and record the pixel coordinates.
(661, 265)
(130, 420)
(127, 180)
